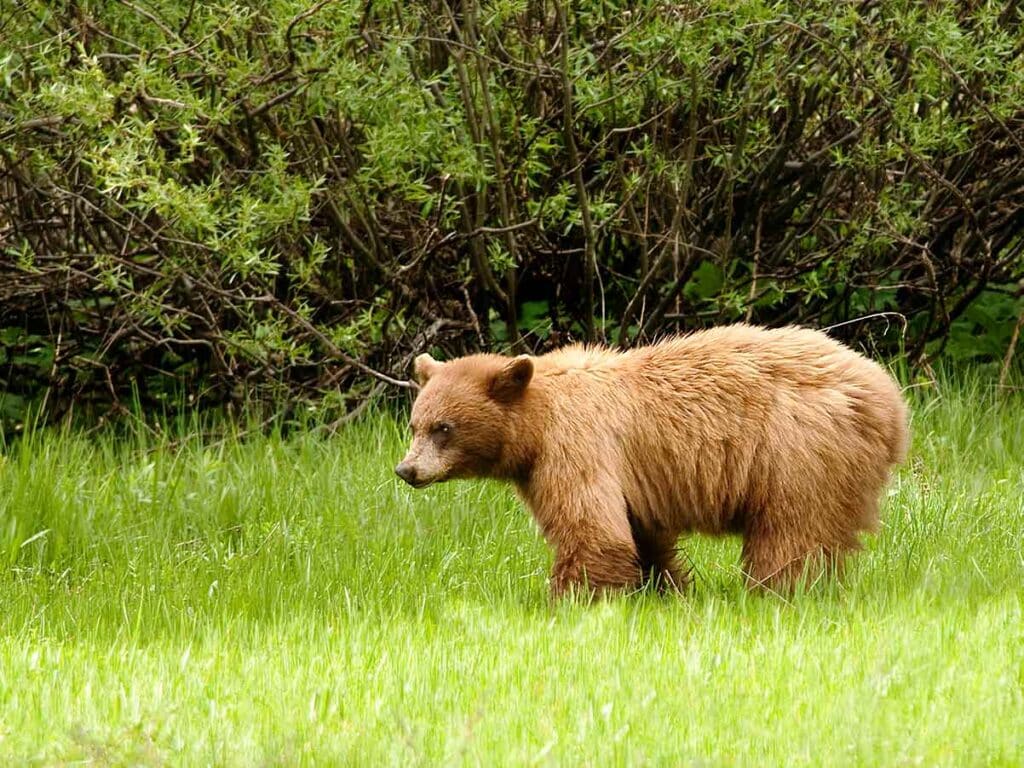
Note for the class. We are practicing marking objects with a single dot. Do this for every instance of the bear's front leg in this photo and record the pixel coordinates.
(597, 568)
(588, 527)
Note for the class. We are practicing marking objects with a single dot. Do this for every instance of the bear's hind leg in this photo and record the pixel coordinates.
(777, 556)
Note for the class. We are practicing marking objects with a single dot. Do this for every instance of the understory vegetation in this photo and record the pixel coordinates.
(210, 203)
(253, 599)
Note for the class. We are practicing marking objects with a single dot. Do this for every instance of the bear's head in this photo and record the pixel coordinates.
(461, 420)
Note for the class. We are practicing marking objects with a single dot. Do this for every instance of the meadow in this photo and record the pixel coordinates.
(173, 599)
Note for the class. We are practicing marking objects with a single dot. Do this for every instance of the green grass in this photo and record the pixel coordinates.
(288, 602)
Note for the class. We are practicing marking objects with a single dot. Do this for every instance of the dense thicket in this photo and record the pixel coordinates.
(227, 199)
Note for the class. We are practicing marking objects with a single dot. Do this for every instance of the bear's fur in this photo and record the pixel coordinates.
(784, 436)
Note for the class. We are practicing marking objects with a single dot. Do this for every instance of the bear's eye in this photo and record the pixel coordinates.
(442, 428)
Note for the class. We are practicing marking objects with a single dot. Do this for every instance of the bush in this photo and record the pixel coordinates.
(208, 202)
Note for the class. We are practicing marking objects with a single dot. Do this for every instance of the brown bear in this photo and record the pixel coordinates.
(782, 435)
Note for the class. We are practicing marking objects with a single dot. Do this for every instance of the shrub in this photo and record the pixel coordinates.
(218, 201)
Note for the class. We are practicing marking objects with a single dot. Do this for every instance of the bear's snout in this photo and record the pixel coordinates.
(407, 472)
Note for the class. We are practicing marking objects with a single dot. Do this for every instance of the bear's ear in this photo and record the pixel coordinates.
(510, 382)
(424, 367)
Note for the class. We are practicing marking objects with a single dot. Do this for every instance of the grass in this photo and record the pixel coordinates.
(279, 601)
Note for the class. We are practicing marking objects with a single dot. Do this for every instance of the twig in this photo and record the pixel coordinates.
(757, 262)
(872, 316)
(590, 259)
(334, 349)
(291, 27)
(472, 314)
(355, 413)
(1004, 372)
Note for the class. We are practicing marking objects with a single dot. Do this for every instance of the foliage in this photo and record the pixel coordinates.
(203, 202)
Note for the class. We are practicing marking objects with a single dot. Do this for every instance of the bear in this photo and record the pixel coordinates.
(783, 436)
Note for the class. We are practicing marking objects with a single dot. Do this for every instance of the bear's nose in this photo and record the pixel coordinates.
(407, 472)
